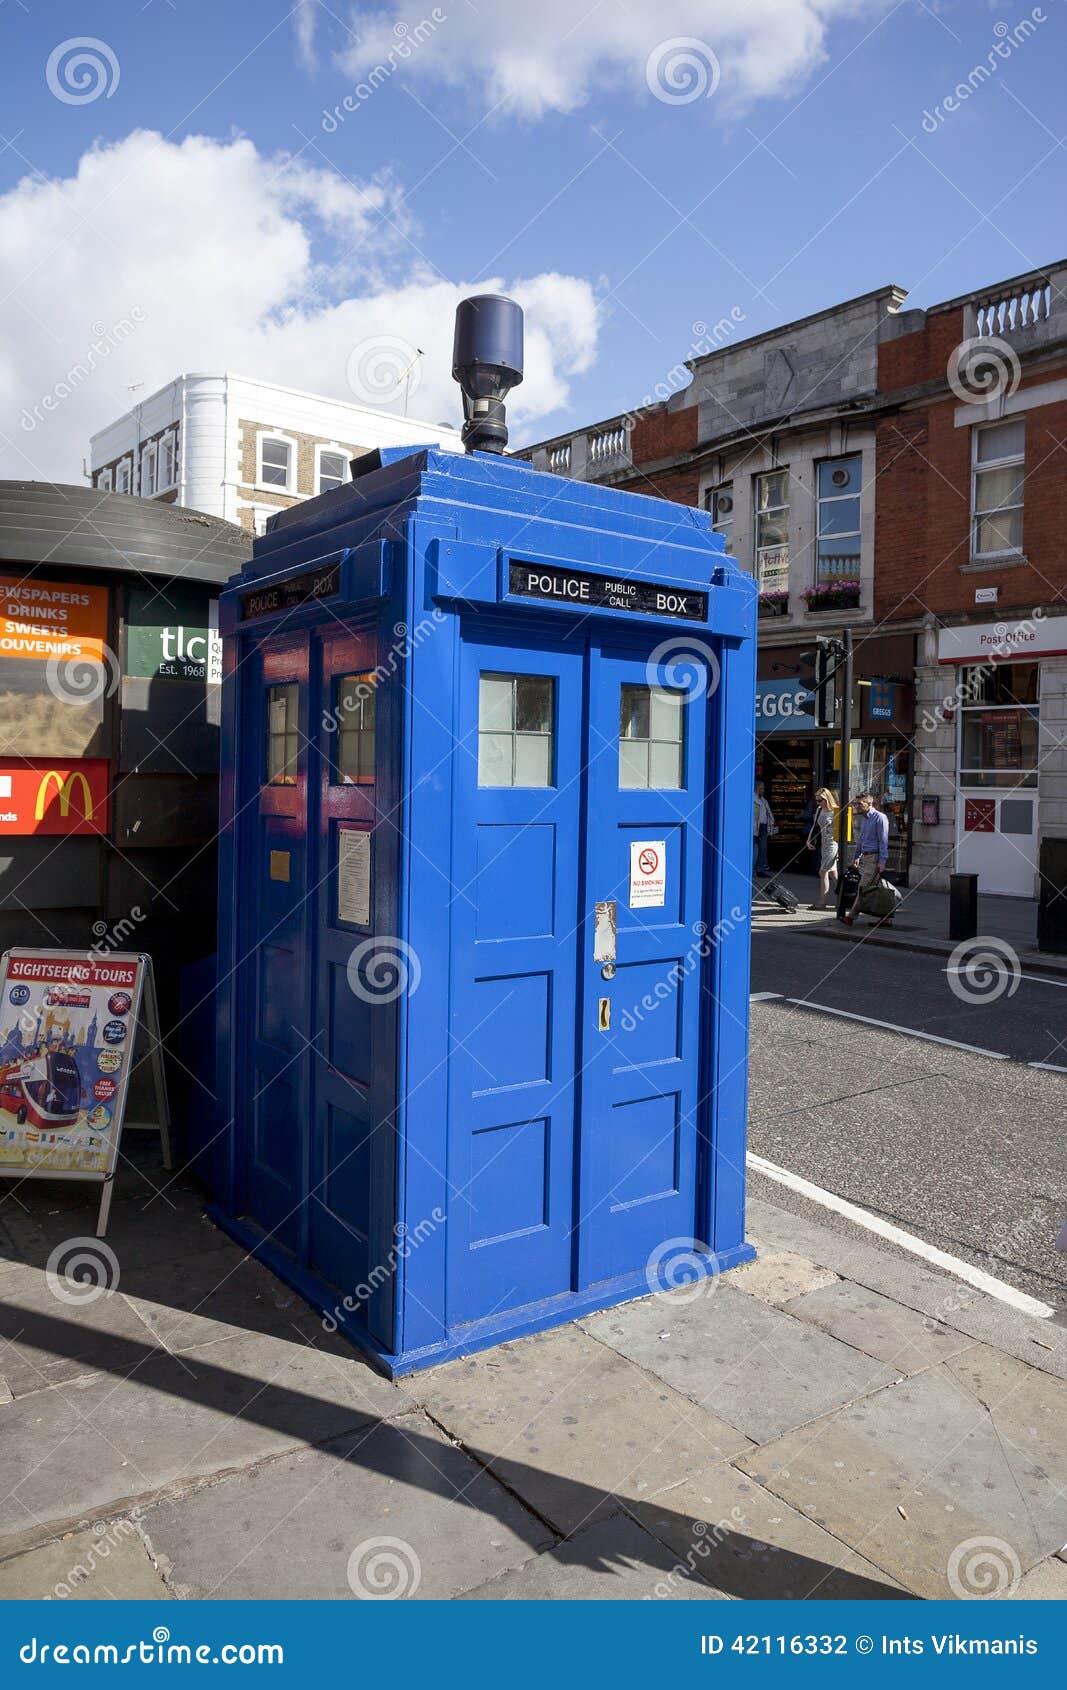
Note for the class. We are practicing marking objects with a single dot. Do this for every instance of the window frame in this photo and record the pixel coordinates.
(279, 783)
(651, 739)
(780, 581)
(124, 472)
(724, 527)
(368, 679)
(149, 460)
(286, 440)
(514, 733)
(167, 443)
(978, 469)
(322, 451)
(821, 499)
(103, 480)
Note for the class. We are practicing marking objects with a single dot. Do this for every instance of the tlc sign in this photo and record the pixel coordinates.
(53, 798)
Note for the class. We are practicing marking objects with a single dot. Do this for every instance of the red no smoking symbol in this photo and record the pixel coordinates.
(648, 861)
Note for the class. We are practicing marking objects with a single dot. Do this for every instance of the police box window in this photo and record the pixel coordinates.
(651, 737)
(282, 737)
(354, 711)
(515, 715)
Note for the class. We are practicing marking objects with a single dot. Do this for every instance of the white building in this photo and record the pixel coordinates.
(242, 449)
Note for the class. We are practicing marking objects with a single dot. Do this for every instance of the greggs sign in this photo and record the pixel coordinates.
(53, 798)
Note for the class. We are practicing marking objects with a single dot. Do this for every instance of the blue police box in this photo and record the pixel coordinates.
(486, 874)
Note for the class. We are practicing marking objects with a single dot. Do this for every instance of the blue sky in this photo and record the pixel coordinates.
(201, 211)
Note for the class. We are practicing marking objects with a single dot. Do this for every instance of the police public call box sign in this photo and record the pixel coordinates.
(574, 587)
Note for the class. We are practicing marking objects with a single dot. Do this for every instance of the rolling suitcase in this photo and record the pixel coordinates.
(781, 896)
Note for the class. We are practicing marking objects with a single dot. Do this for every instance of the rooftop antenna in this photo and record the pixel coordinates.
(487, 363)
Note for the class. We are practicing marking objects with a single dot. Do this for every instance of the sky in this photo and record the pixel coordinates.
(303, 192)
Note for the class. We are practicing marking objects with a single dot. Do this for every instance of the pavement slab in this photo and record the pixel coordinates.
(217, 1294)
(1044, 1583)
(761, 1370)
(899, 1336)
(168, 1419)
(99, 1331)
(751, 1545)
(915, 1477)
(572, 1426)
(613, 1560)
(777, 1276)
(394, 1509)
(106, 1565)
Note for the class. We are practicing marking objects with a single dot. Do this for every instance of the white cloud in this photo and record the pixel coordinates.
(304, 25)
(552, 58)
(209, 256)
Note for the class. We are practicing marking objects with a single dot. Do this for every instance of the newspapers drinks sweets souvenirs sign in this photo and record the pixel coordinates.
(69, 1022)
(43, 619)
(53, 798)
(648, 873)
(606, 592)
(291, 594)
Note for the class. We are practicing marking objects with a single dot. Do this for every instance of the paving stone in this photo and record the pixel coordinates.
(613, 1560)
(111, 1565)
(931, 1448)
(777, 1276)
(167, 1418)
(395, 1508)
(217, 1293)
(903, 1339)
(750, 1544)
(570, 1425)
(5, 1392)
(762, 1370)
(52, 1331)
(1046, 1582)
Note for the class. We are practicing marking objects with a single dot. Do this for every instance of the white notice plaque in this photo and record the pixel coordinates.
(353, 876)
(648, 873)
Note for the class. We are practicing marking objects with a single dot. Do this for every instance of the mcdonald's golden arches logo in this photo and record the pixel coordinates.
(65, 789)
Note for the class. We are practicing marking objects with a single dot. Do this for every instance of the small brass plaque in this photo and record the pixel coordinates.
(279, 865)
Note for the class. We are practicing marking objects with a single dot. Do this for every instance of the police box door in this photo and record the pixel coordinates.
(580, 774)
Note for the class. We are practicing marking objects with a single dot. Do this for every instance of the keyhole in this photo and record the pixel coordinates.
(605, 1015)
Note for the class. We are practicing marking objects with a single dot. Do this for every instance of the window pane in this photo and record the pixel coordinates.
(772, 528)
(1006, 440)
(634, 711)
(495, 698)
(633, 762)
(999, 739)
(772, 489)
(665, 769)
(996, 487)
(533, 704)
(283, 741)
(1002, 533)
(331, 470)
(839, 516)
(839, 476)
(494, 759)
(532, 753)
(275, 463)
(666, 717)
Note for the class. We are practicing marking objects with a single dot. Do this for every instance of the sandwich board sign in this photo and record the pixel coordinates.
(69, 1022)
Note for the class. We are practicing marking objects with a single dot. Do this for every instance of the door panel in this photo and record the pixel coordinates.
(640, 1071)
(514, 909)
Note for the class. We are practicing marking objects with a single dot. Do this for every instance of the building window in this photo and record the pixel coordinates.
(165, 463)
(651, 737)
(999, 722)
(997, 520)
(772, 530)
(103, 480)
(275, 462)
(354, 711)
(148, 472)
(515, 730)
(332, 470)
(720, 502)
(837, 544)
(122, 476)
(282, 736)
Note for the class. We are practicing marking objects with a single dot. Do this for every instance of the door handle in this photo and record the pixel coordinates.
(604, 1021)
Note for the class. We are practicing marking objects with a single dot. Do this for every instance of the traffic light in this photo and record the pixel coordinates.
(815, 671)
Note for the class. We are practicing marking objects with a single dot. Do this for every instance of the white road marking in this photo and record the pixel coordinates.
(981, 1280)
(894, 1027)
(762, 997)
(1038, 979)
(1053, 1067)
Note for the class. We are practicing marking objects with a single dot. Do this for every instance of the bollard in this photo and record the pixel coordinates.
(962, 906)
(1052, 909)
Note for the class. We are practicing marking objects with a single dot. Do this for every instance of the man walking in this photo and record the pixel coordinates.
(872, 852)
(762, 827)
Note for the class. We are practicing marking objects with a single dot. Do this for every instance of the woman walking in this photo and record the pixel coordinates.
(822, 837)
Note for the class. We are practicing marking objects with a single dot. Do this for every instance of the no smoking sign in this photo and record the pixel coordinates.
(648, 873)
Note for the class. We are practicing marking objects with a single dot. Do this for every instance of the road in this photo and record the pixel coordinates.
(968, 1151)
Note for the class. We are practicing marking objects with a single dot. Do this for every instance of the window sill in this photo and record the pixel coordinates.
(273, 487)
(996, 560)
